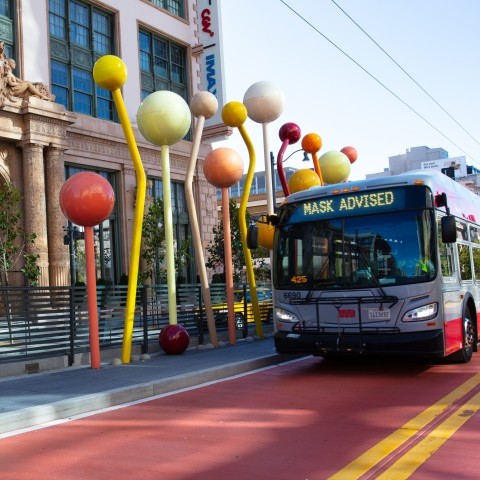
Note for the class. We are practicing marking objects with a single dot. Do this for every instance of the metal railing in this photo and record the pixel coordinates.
(38, 322)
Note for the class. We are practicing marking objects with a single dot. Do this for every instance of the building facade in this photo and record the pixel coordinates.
(72, 126)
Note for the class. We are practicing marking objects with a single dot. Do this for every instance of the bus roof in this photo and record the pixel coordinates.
(462, 202)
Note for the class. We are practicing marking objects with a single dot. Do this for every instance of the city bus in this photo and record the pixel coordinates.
(387, 266)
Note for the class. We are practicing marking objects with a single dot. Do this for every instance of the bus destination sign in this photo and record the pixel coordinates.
(359, 203)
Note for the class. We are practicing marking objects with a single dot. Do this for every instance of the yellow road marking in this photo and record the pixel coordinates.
(374, 455)
(408, 463)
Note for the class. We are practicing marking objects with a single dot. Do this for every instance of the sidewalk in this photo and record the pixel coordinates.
(31, 400)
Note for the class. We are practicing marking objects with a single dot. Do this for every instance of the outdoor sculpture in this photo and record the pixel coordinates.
(87, 199)
(164, 118)
(203, 106)
(265, 102)
(234, 114)
(13, 88)
(223, 168)
(110, 73)
(289, 134)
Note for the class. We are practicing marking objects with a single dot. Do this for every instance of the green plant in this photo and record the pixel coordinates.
(153, 243)
(153, 247)
(31, 270)
(14, 239)
(217, 253)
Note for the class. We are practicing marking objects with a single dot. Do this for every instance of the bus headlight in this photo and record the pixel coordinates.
(284, 316)
(427, 312)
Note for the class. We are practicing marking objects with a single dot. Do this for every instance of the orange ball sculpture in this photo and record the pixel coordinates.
(223, 167)
(312, 142)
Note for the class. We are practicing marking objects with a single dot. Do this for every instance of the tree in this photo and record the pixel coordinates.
(153, 246)
(217, 254)
(14, 239)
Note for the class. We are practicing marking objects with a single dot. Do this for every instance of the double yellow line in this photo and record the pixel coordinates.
(455, 408)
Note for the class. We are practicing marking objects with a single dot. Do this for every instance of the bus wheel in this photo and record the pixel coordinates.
(239, 321)
(464, 355)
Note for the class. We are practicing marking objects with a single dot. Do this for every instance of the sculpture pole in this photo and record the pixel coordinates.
(87, 199)
(110, 72)
(234, 114)
(312, 143)
(289, 133)
(223, 168)
(164, 119)
(203, 105)
(265, 103)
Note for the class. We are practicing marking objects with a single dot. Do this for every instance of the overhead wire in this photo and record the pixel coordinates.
(376, 79)
(406, 73)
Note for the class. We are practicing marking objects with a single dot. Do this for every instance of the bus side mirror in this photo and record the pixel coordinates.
(252, 237)
(449, 229)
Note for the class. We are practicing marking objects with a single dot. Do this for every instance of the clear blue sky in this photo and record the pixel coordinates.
(436, 42)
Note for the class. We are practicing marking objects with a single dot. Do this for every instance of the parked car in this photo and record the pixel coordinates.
(243, 306)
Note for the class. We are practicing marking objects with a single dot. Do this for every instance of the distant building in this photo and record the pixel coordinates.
(416, 158)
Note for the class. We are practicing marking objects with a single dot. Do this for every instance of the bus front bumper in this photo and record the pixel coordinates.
(425, 344)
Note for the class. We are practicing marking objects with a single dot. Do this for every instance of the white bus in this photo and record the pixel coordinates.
(382, 266)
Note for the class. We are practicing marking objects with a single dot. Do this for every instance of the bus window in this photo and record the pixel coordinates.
(353, 252)
(447, 262)
(476, 262)
(465, 262)
(464, 257)
(475, 240)
(475, 234)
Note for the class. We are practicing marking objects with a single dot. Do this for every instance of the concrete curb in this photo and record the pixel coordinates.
(64, 409)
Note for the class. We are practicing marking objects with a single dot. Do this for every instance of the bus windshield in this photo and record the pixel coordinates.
(397, 248)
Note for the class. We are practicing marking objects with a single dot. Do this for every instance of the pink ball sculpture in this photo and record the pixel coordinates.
(351, 153)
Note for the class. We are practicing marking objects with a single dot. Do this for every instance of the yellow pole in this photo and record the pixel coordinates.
(110, 72)
(137, 226)
(242, 214)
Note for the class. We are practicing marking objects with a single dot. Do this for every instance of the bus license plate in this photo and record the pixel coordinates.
(374, 314)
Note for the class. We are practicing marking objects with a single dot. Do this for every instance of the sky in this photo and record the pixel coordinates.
(339, 84)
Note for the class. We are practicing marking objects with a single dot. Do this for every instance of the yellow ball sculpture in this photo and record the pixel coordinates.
(234, 114)
(164, 118)
(335, 167)
(110, 72)
(302, 180)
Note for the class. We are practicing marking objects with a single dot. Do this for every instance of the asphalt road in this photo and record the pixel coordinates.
(308, 419)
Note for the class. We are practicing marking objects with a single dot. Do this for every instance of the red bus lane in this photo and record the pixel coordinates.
(309, 419)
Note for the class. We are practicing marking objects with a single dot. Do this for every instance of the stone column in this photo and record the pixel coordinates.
(58, 254)
(34, 205)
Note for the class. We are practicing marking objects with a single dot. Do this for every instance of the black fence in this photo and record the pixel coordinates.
(38, 322)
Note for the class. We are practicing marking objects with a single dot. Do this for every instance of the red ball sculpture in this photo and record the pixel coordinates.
(291, 132)
(351, 153)
(87, 199)
(173, 339)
